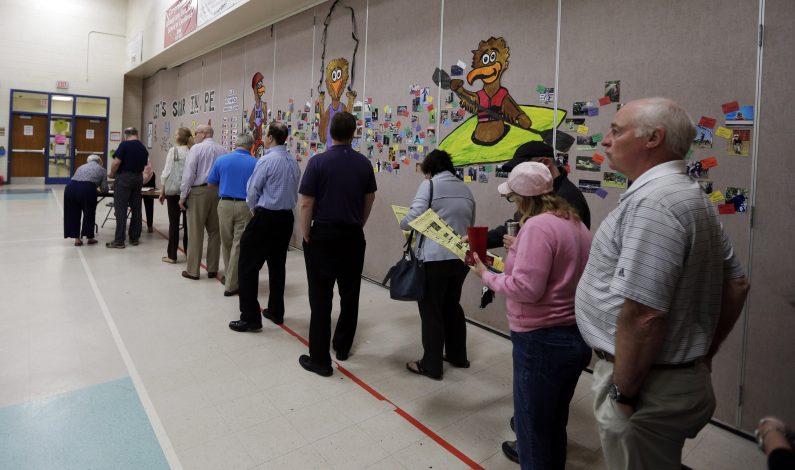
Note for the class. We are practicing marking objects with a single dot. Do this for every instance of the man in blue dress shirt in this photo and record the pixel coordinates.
(272, 193)
(230, 173)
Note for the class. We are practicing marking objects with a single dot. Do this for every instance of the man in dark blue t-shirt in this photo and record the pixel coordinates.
(127, 168)
(336, 195)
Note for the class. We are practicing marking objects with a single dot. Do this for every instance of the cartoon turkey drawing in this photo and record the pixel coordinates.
(336, 81)
(493, 104)
(259, 113)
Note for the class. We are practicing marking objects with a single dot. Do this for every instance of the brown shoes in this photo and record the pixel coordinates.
(190, 276)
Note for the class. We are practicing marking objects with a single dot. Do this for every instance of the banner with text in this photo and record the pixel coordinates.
(181, 20)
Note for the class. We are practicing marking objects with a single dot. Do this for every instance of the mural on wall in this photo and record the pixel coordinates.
(257, 118)
(499, 124)
(336, 77)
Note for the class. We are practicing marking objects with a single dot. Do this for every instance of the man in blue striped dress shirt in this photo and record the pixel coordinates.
(272, 193)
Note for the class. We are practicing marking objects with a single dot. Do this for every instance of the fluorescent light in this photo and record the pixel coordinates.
(62, 98)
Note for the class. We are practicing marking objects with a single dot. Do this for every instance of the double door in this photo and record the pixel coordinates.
(29, 141)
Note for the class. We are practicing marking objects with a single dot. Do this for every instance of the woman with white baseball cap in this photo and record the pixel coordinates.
(542, 269)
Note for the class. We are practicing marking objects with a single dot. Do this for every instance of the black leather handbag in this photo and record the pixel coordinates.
(407, 277)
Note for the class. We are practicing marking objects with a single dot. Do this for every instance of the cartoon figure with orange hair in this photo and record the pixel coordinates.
(493, 104)
(336, 81)
(258, 114)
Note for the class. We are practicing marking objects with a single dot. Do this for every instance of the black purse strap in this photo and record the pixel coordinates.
(430, 203)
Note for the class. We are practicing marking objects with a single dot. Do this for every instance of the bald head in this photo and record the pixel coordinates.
(206, 130)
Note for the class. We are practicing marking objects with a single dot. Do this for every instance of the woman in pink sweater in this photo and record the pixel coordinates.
(542, 269)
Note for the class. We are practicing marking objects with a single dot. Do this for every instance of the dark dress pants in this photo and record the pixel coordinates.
(149, 203)
(265, 239)
(80, 199)
(444, 328)
(334, 254)
(172, 203)
(127, 192)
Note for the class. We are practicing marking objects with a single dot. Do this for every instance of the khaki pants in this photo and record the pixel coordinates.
(674, 404)
(203, 213)
(232, 219)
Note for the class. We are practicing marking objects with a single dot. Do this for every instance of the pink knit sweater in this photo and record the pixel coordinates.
(542, 270)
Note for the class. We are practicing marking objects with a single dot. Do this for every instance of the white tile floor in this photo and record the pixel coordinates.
(220, 399)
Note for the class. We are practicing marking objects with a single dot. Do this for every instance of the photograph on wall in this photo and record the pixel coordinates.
(740, 143)
(589, 186)
(572, 123)
(739, 197)
(614, 180)
(587, 164)
(586, 142)
(149, 135)
(703, 139)
(706, 185)
(613, 90)
(742, 117)
(561, 159)
(580, 108)
(696, 170)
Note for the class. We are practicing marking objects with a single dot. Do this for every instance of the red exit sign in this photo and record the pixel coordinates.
(62, 85)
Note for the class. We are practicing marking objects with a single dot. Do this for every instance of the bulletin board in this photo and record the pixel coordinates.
(610, 53)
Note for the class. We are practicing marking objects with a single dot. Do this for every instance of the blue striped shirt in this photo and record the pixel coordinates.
(274, 183)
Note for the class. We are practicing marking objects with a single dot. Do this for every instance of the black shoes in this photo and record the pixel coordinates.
(512, 429)
(243, 326)
(416, 367)
(269, 316)
(461, 365)
(114, 245)
(134, 242)
(306, 363)
(341, 356)
(228, 293)
(190, 276)
(211, 275)
(509, 449)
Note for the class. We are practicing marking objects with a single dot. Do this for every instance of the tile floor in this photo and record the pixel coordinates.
(81, 326)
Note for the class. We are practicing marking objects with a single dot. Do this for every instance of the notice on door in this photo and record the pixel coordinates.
(90, 134)
(27, 130)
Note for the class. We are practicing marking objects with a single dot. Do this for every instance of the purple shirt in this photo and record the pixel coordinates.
(338, 179)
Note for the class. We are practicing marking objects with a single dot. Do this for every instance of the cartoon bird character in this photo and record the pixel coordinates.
(493, 104)
(336, 81)
(258, 115)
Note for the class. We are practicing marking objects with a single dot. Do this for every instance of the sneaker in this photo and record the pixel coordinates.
(134, 242)
(114, 245)
(168, 260)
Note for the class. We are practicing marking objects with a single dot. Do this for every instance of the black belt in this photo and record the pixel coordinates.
(224, 198)
(605, 356)
(199, 185)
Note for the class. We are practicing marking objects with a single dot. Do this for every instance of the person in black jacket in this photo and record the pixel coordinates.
(541, 152)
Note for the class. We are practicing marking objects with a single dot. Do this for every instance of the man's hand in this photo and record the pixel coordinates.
(182, 205)
(162, 197)
(626, 410)
(507, 241)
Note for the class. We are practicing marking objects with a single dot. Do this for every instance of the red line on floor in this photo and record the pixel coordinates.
(412, 420)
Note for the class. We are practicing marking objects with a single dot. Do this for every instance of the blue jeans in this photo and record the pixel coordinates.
(546, 366)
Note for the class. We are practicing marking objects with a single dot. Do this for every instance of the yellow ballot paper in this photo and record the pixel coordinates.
(716, 196)
(432, 226)
(400, 212)
(582, 129)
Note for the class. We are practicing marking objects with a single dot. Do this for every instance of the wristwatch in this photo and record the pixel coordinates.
(616, 396)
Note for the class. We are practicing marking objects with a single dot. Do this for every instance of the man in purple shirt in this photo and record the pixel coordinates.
(201, 202)
(336, 195)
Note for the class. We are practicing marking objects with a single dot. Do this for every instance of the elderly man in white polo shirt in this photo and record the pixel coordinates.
(662, 289)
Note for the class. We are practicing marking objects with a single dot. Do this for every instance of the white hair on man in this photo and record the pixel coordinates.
(655, 113)
(94, 158)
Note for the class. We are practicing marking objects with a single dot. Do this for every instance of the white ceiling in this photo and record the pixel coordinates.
(242, 21)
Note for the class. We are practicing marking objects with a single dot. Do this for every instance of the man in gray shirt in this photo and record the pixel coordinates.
(662, 289)
(201, 202)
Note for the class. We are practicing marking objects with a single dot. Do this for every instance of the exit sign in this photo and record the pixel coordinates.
(62, 85)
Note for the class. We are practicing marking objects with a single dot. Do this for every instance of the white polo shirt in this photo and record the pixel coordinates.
(663, 247)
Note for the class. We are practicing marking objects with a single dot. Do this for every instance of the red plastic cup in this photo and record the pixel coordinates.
(477, 242)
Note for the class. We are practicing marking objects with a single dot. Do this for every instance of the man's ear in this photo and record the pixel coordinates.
(656, 138)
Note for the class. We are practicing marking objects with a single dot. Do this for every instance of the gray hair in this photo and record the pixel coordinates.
(654, 113)
(245, 141)
(94, 158)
